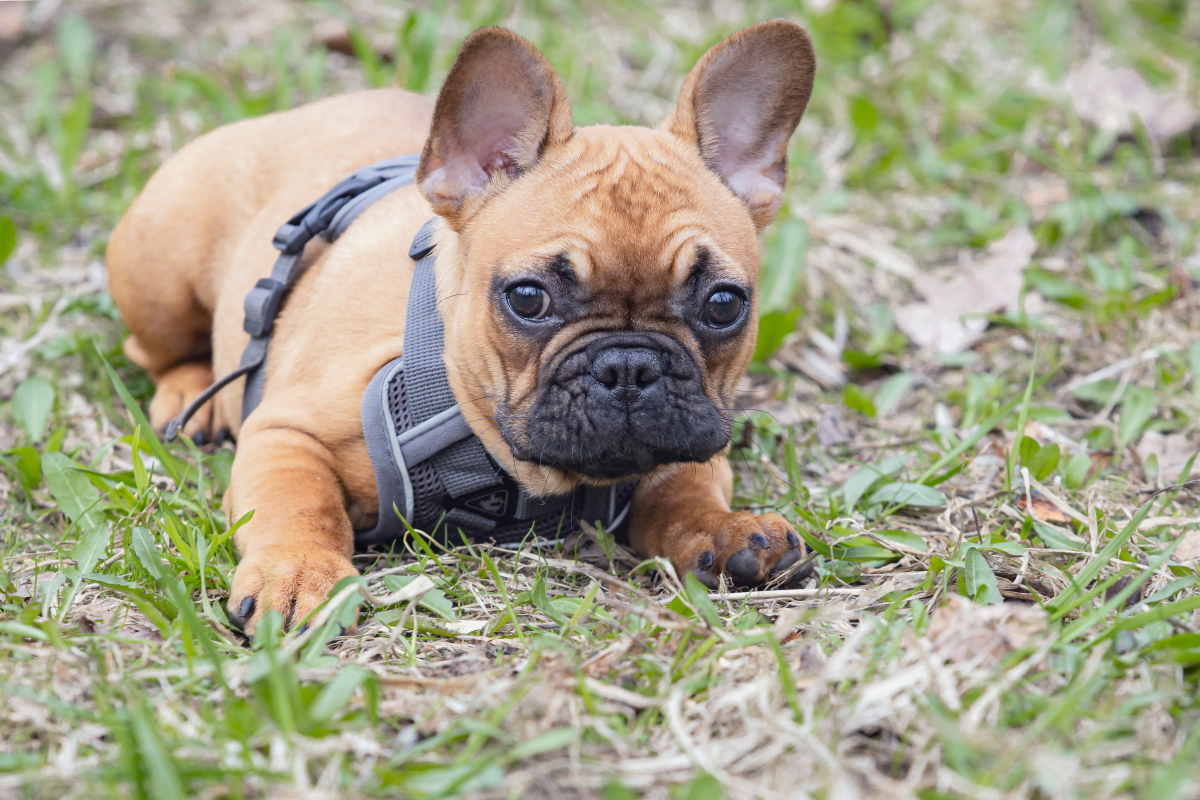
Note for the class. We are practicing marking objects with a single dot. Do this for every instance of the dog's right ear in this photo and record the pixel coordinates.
(500, 106)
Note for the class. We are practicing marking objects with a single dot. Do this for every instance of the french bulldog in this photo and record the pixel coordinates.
(597, 287)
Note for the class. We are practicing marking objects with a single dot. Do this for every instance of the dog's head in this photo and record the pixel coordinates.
(599, 284)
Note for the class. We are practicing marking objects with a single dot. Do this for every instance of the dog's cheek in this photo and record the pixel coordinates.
(725, 364)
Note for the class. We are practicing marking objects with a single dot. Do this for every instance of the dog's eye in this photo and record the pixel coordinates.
(722, 309)
(529, 301)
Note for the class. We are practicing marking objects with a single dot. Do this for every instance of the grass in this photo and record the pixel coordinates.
(1004, 594)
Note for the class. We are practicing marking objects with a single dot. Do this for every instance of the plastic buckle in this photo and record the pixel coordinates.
(261, 306)
(290, 238)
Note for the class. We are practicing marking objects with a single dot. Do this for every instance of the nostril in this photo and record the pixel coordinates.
(605, 373)
(647, 373)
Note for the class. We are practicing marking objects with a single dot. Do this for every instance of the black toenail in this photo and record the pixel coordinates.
(786, 560)
(760, 541)
(793, 539)
(706, 578)
(302, 629)
(199, 438)
(223, 436)
(341, 629)
(743, 565)
(706, 560)
(246, 610)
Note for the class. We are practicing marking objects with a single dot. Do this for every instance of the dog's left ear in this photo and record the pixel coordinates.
(741, 103)
(501, 105)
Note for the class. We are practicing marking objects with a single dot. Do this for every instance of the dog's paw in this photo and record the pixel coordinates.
(174, 390)
(749, 549)
(292, 579)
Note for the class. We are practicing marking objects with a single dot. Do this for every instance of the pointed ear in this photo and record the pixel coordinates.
(741, 103)
(500, 106)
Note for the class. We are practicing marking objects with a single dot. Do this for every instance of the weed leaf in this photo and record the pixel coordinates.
(75, 47)
(174, 467)
(31, 405)
(91, 544)
(772, 328)
(547, 742)
(28, 462)
(335, 695)
(1137, 409)
(147, 552)
(783, 268)
(697, 596)
(8, 238)
(704, 787)
(858, 483)
(1044, 461)
(908, 494)
(858, 400)
(981, 581)
(72, 490)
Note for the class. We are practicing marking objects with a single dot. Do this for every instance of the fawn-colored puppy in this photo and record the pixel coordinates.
(597, 287)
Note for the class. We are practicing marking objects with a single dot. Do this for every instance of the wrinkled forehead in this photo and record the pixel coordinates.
(625, 201)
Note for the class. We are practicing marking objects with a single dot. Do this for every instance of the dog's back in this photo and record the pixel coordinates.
(199, 235)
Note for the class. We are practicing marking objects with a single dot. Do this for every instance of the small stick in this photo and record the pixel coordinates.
(1116, 368)
(781, 594)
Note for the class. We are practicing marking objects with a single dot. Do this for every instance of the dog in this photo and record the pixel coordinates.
(597, 288)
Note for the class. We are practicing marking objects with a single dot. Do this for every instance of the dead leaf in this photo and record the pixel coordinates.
(1188, 551)
(12, 20)
(1043, 509)
(1042, 433)
(1109, 98)
(831, 429)
(114, 615)
(987, 287)
(1172, 452)
(962, 631)
(1046, 192)
(822, 371)
(335, 36)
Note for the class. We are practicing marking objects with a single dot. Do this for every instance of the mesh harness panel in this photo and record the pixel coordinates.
(430, 468)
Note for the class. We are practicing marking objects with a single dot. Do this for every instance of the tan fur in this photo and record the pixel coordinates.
(630, 206)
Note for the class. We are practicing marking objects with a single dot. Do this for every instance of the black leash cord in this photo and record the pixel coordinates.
(171, 432)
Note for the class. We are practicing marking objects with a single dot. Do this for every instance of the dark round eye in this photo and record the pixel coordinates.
(529, 301)
(722, 309)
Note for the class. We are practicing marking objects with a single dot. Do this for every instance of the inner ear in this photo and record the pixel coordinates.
(740, 105)
(500, 106)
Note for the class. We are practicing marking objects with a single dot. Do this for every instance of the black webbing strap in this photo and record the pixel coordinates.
(329, 216)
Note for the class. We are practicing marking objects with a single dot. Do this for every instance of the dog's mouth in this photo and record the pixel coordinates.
(615, 470)
(619, 408)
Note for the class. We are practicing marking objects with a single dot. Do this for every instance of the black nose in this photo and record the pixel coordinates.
(625, 372)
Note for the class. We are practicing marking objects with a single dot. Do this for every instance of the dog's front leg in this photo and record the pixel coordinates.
(684, 514)
(299, 542)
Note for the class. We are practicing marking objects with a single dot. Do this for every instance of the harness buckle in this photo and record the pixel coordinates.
(261, 306)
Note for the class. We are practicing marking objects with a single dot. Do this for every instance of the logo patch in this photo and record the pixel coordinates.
(494, 504)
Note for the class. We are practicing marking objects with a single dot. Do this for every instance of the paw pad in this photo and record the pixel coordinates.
(743, 565)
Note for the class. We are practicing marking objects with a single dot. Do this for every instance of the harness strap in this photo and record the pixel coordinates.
(329, 216)
(467, 468)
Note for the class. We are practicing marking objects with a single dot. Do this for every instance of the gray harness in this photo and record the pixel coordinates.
(431, 471)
